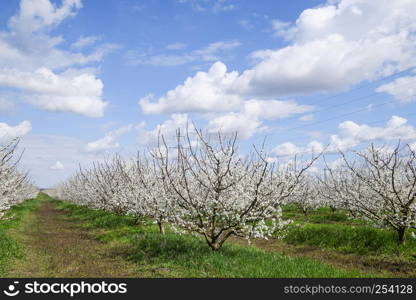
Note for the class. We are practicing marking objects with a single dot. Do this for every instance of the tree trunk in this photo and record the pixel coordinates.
(217, 242)
(401, 233)
(306, 215)
(161, 227)
(137, 221)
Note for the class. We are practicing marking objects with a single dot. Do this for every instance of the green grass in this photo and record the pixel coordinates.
(9, 247)
(190, 257)
(361, 240)
(173, 255)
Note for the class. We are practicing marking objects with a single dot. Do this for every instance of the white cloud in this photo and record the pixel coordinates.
(273, 109)
(57, 166)
(7, 131)
(334, 47)
(244, 125)
(248, 121)
(35, 15)
(32, 62)
(351, 135)
(108, 142)
(85, 41)
(402, 89)
(167, 129)
(71, 91)
(290, 149)
(205, 92)
(210, 53)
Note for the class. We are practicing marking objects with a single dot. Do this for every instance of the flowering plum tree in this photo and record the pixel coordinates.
(220, 194)
(14, 186)
(380, 185)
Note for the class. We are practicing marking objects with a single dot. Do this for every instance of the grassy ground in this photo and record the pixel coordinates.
(10, 248)
(337, 231)
(173, 255)
(49, 238)
(53, 246)
(335, 238)
(361, 240)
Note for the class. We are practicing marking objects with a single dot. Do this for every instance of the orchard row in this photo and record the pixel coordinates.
(204, 185)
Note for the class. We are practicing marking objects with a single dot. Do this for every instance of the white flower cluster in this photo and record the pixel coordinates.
(378, 185)
(202, 186)
(309, 195)
(14, 186)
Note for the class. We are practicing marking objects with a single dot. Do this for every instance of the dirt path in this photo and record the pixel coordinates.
(56, 247)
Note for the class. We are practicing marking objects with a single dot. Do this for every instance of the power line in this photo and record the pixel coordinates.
(366, 85)
(357, 99)
(353, 99)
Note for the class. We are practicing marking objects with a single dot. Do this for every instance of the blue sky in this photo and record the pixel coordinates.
(81, 80)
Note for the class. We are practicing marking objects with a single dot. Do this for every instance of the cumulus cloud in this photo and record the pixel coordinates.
(8, 132)
(167, 129)
(70, 91)
(57, 166)
(351, 134)
(403, 89)
(35, 15)
(209, 93)
(308, 117)
(108, 142)
(49, 77)
(205, 92)
(248, 121)
(290, 149)
(334, 47)
(244, 125)
(330, 48)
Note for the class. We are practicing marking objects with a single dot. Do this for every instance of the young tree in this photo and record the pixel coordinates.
(380, 185)
(152, 195)
(14, 185)
(220, 194)
(307, 196)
